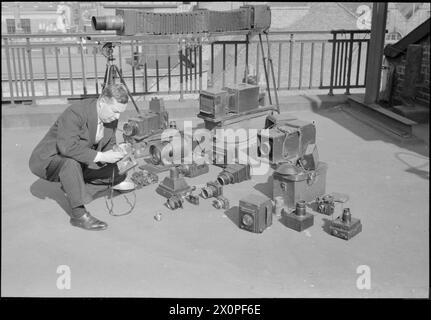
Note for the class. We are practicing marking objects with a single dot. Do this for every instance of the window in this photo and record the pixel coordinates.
(11, 29)
(25, 25)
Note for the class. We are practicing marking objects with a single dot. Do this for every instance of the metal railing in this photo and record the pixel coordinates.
(68, 66)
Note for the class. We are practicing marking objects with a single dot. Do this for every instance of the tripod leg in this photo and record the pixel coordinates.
(264, 68)
(105, 78)
(125, 85)
(273, 75)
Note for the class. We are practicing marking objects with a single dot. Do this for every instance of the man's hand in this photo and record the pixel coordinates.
(111, 156)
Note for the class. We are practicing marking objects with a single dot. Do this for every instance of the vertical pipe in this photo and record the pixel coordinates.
(30, 67)
(290, 62)
(301, 56)
(9, 70)
(322, 64)
(311, 66)
(358, 62)
(57, 64)
(280, 50)
(95, 70)
(70, 71)
(331, 81)
(349, 72)
(83, 67)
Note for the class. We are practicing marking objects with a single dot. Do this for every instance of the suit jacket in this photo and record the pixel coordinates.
(73, 135)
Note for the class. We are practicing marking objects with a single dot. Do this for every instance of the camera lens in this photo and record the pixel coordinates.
(247, 220)
(174, 203)
(265, 149)
(206, 193)
(223, 179)
(129, 129)
(107, 23)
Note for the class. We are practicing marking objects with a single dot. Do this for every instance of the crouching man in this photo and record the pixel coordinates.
(77, 152)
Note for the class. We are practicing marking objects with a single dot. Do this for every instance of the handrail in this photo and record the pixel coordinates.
(67, 35)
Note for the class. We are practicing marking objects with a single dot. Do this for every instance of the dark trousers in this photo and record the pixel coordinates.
(80, 182)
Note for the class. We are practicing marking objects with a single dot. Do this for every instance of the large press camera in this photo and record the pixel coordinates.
(132, 22)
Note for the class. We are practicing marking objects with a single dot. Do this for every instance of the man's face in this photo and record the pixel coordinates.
(110, 109)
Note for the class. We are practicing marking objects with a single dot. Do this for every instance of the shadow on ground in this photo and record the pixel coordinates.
(43, 189)
(337, 115)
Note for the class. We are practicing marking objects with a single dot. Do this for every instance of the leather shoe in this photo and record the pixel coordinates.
(88, 222)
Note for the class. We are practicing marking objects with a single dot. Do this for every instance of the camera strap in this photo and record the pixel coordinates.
(110, 206)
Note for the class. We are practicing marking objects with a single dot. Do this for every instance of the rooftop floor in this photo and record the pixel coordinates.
(200, 251)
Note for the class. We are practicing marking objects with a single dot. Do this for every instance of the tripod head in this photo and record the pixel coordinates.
(107, 50)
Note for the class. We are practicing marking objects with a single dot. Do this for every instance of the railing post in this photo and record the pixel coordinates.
(169, 73)
(18, 55)
(310, 83)
(236, 64)
(349, 71)
(289, 79)
(200, 66)
(9, 71)
(279, 65)
(246, 71)
(14, 71)
(331, 82)
(84, 79)
(70, 72)
(212, 64)
(224, 66)
(180, 55)
(300, 65)
(30, 67)
(322, 64)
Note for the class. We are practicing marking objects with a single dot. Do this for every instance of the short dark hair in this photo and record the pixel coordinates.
(116, 91)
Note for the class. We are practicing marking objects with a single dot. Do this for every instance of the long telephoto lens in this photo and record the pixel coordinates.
(107, 23)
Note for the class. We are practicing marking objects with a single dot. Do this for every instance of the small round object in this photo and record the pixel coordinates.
(217, 204)
(247, 220)
(158, 217)
(265, 149)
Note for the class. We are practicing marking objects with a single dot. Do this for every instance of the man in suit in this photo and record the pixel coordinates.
(77, 152)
